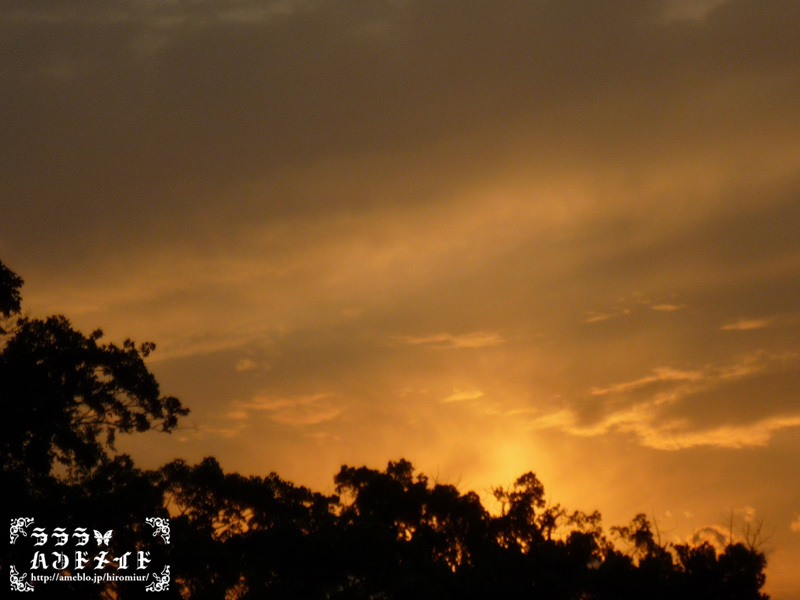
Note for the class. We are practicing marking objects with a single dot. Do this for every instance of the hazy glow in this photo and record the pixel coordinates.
(558, 237)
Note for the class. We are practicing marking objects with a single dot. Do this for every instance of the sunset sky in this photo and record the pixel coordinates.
(489, 237)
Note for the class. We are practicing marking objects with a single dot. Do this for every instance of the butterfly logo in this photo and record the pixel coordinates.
(103, 538)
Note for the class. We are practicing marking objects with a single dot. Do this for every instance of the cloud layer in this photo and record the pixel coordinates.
(454, 231)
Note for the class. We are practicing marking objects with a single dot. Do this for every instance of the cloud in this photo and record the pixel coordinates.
(564, 420)
(747, 324)
(217, 431)
(280, 163)
(246, 364)
(713, 534)
(462, 395)
(225, 97)
(300, 416)
(627, 306)
(660, 375)
(667, 307)
(748, 513)
(674, 409)
(478, 339)
(297, 184)
(298, 411)
(679, 10)
(734, 437)
(597, 317)
(795, 525)
(644, 422)
(291, 411)
(237, 415)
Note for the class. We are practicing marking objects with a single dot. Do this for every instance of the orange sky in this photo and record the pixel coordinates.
(558, 236)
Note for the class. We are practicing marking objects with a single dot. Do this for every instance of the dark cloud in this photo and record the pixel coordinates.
(139, 114)
(770, 391)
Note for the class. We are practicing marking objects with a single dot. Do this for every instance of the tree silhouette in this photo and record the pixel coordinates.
(390, 535)
(75, 394)
(10, 298)
(65, 397)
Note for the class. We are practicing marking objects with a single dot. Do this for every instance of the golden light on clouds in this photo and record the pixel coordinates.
(478, 339)
(549, 236)
(746, 324)
(795, 526)
(462, 395)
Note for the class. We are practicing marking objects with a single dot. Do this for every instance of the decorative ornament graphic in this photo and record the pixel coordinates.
(98, 567)
(103, 538)
(161, 527)
(17, 527)
(18, 584)
(161, 583)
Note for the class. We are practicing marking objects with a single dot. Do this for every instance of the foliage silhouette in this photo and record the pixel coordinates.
(65, 397)
(10, 298)
(388, 534)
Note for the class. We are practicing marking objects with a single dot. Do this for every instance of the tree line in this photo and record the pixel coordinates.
(384, 535)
